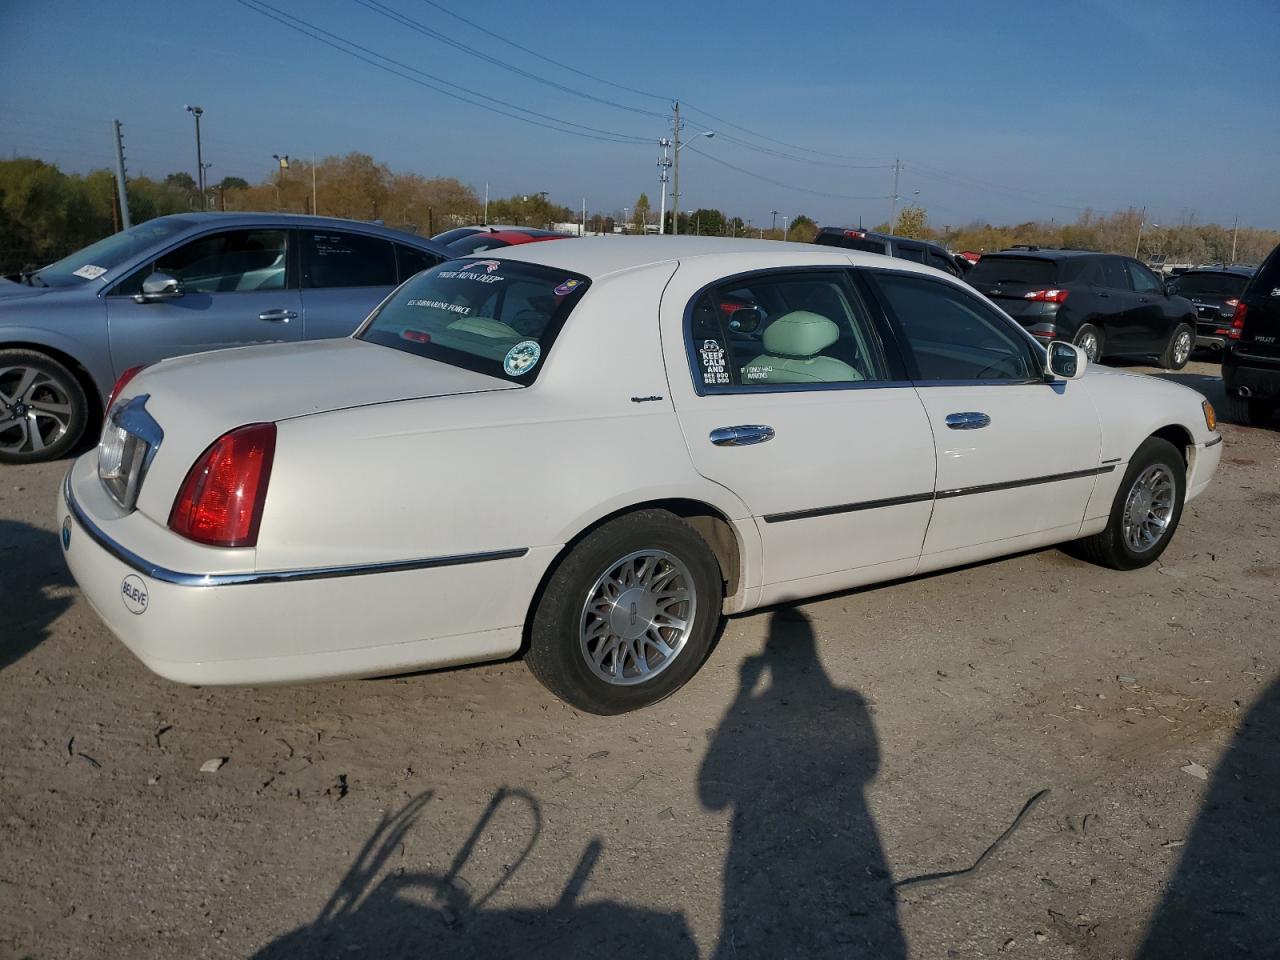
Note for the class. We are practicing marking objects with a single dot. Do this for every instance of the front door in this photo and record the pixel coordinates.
(236, 290)
(1152, 318)
(1017, 456)
(786, 397)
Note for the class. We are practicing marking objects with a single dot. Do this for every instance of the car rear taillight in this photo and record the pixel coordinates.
(1046, 296)
(1237, 320)
(122, 382)
(220, 502)
(855, 233)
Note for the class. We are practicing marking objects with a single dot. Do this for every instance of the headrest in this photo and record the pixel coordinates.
(800, 334)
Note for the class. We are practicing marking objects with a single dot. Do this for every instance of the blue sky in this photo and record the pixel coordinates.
(999, 111)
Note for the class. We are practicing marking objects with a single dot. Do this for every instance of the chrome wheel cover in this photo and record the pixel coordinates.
(637, 617)
(35, 410)
(1148, 509)
(1182, 348)
(1089, 344)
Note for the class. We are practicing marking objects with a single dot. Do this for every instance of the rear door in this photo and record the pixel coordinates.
(1017, 457)
(1153, 316)
(787, 397)
(237, 289)
(344, 276)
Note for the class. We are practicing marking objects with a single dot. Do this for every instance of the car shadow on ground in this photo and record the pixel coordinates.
(31, 572)
(1222, 899)
(804, 876)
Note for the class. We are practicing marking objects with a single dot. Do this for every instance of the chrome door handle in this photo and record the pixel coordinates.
(742, 436)
(277, 316)
(971, 420)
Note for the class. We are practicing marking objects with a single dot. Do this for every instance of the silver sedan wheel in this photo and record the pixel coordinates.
(1182, 348)
(35, 410)
(1148, 509)
(637, 617)
(1089, 344)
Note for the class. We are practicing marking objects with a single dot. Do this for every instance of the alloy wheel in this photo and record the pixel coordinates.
(1182, 348)
(1148, 509)
(637, 617)
(35, 410)
(1089, 344)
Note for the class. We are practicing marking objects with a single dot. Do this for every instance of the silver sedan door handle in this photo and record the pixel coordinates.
(741, 436)
(971, 420)
(277, 316)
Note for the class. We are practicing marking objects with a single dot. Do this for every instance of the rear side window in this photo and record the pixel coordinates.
(335, 259)
(1001, 271)
(940, 262)
(1114, 274)
(410, 260)
(783, 329)
(493, 316)
(910, 251)
(952, 335)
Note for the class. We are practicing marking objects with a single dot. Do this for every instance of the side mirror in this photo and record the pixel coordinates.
(159, 286)
(746, 320)
(1171, 288)
(1065, 361)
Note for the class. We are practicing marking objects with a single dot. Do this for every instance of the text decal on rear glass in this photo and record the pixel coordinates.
(711, 355)
(482, 271)
(440, 305)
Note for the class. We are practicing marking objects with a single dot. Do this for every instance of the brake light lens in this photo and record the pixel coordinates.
(220, 502)
(855, 233)
(1047, 296)
(122, 382)
(1237, 320)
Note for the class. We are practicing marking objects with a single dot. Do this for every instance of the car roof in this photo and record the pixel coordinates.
(1048, 253)
(251, 219)
(597, 257)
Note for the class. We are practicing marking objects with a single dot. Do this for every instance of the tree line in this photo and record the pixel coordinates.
(46, 213)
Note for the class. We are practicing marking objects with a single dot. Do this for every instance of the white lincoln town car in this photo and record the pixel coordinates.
(590, 451)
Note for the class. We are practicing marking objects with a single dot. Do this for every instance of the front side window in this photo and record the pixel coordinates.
(1144, 281)
(334, 259)
(783, 329)
(952, 335)
(498, 317)
(232, 261)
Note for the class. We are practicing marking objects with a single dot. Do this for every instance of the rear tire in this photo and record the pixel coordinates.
(43, 409)
(1089, 339)
(1178, 350)
(638, 584)
(1249, 411)
(1156, 471)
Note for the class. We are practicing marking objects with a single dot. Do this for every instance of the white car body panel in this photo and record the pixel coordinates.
(414, 508)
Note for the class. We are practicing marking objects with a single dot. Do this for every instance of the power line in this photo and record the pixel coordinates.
(972, 183)
(338, 43)
(777, 183)
(769, 151)
(425, 30)
(781, 143)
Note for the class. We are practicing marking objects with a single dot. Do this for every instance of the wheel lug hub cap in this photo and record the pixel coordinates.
(633, 613)
(20, 409)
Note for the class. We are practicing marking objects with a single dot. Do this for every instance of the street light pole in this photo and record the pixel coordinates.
(197, 112)
(786, 225)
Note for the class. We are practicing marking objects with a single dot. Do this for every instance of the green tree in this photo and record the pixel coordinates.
(233, 183)
(640, 211)
(912, 221)
(183, 181)
(706, 223)
(802, 230)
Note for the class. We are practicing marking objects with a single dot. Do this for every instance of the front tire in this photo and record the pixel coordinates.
(1178, 350)
(628, 616)
(1145, 512)
(43, 409)
(1089, 339)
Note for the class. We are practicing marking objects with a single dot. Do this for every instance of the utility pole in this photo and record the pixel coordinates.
(315, 210)
(1235, 229)
(124, 196)
(1142, 219)
(786, 225)
(893, 200)
(664, 164)
(675, 179)
(583, 231)
(197, 112)
(486, 203)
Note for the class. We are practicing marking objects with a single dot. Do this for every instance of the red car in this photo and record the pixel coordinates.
(479, 242)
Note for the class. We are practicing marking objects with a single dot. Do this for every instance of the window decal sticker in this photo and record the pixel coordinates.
(90, 271)
(714, 371)
(522, 358)
(566, 288)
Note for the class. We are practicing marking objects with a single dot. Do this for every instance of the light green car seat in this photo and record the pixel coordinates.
(792, 344)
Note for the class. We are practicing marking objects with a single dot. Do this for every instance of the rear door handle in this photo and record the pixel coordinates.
(277, 316)
(741, 436)
(970, 420)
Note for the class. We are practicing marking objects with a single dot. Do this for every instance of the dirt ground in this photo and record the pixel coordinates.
(826, 753)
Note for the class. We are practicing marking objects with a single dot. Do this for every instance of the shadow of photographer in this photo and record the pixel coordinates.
(30, 564)
(1223, 898)
(805, 875)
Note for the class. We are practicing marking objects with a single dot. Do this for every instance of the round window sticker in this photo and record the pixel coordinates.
(566, 288)
(522, 358)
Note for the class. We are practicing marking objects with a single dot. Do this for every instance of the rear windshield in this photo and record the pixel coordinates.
(477, 243)
(1225, 286)
(1030, 271)
(497, 317)
(850, 243)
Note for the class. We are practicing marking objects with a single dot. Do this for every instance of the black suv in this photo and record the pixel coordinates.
(1251, 363)
(918, 251)
(1108, 305)
(1214, 292)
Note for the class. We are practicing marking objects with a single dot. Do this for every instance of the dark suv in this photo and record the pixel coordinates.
(1108, 305)
(918, 251)
(1251, 363)
(1214, 292)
